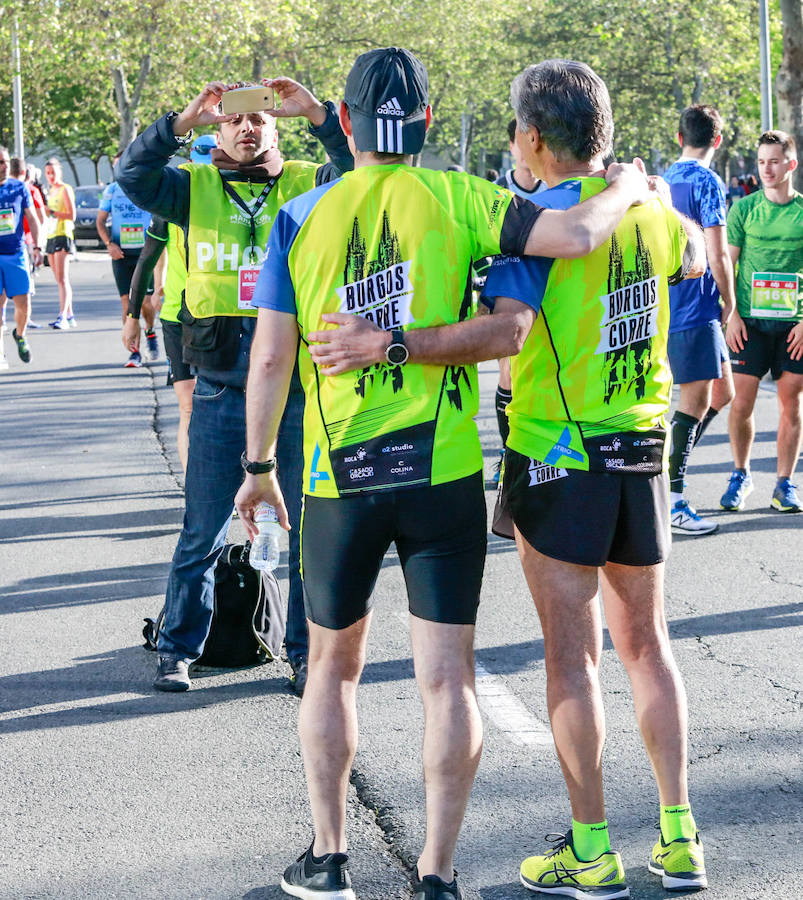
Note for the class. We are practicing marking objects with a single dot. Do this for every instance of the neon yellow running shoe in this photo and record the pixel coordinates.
(680, 863)
(561, 872)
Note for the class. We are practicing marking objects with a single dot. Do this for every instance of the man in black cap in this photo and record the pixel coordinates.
(391, 452)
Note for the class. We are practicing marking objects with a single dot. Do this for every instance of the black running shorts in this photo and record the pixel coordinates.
(440, 534)
(123, 270)
(584, 518)
(177, 369)
(765, 350)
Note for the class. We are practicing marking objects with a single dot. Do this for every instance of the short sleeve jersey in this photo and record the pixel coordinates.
(57, 201)
(593, 369)
(698, 193)
(129, 222)
(770, 238)
(393, 244)
(176, 270)
(15, 198)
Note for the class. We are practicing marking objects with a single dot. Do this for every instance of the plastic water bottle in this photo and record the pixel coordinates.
(265, 547)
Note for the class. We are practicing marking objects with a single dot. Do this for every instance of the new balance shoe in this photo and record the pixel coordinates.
(134, 361)
(686, 521)
(785, 498)
(72, 322)
(560, 872)
(22, 346)
(172, 675)
(59, 323)
(740, 487)
(430, 887)
(680, 863)
(328, 879)
(153, 345)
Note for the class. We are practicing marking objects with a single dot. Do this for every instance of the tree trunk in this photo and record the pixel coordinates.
(128, 103)
(789, 81)
(71, 164)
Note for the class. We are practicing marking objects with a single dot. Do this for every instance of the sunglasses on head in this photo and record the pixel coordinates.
(203, 151)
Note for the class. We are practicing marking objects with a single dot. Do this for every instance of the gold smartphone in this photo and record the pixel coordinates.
(248, 100)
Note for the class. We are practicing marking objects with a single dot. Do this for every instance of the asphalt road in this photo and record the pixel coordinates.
(109, 789)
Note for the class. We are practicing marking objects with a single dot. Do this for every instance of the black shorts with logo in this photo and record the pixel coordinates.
(440, 534)
(584, 518)
(765, 350)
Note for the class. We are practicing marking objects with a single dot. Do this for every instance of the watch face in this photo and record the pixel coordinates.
(397, 354)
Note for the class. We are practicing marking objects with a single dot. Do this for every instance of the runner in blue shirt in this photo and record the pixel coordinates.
(15, 279)
(699, 308)
(125, 241)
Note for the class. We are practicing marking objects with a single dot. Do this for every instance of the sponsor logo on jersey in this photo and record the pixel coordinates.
(390, 107)
(359, 456)
(226, 257)
(384, 297)
(630, 314)
(361, 472)
(542, 473)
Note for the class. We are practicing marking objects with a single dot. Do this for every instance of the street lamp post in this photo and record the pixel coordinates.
(766, 81)
(19, 140)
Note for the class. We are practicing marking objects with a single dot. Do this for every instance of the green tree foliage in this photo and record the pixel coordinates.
(96, 71)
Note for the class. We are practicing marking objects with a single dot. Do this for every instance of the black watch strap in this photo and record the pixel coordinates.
(257, 468)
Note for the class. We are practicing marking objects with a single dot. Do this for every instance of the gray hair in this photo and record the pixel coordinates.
(569, 105)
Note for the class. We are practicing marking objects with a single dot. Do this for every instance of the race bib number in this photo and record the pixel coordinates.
(774, 295)
(6, 221)
(246, 283)
(132, 236)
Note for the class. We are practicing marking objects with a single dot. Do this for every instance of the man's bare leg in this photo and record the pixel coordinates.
(790, 401)
(327, 726)
(565, 596)
(22, 312)
(741, 424)
(634, 612)
(444, 671)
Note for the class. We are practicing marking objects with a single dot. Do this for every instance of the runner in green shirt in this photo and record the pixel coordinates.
(391, 452)
(765, 239)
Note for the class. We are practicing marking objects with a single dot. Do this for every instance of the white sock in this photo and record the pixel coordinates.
(675, 497)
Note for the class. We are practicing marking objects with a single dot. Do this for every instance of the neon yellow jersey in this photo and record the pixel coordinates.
(57, 201)
(591, 385)
(393, 244)
(219, 233)
(176, 269)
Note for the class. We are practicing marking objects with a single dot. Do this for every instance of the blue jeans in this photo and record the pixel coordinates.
(214, 475)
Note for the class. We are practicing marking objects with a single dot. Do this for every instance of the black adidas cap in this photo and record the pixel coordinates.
(387, 93)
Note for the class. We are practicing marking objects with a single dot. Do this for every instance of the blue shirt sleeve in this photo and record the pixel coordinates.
(521, 278)
(106, 199)
(274, 288)
(711, 200)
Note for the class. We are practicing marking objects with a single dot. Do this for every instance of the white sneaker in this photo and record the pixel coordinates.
(686, 521)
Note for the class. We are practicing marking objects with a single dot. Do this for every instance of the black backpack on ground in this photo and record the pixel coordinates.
(248, 619)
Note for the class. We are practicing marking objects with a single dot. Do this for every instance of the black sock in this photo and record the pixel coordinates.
(707, 419)
(684, 428)
(503, 397)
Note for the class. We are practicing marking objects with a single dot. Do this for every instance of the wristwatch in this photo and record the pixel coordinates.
(181, 139)
(397, 353)
(257, 468)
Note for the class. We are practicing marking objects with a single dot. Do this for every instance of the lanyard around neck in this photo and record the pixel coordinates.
(250, 211)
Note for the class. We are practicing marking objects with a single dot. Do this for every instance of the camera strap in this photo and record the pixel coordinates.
(250, 211)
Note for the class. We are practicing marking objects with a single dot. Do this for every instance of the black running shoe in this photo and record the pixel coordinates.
(328, 879)
(430, 887)
(22, 346)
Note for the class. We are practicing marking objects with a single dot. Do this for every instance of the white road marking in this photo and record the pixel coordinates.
(507, 712)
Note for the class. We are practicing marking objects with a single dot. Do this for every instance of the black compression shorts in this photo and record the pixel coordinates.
(585, 518)
(440, 534)
(123, 270)
(177, 369)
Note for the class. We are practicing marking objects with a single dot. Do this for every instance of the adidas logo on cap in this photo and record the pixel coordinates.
(390, 108)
